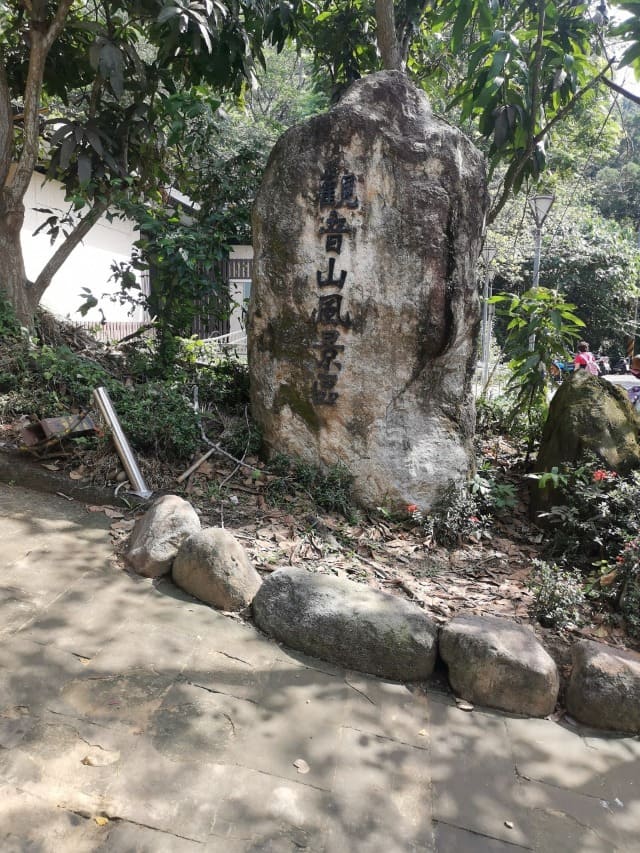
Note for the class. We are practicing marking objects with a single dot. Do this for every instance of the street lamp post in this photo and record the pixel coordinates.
(488, 254)
(540, 206)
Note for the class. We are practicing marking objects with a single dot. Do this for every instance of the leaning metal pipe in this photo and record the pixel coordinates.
(123, 447)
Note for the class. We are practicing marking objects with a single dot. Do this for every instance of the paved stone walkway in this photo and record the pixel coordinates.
(133, 718)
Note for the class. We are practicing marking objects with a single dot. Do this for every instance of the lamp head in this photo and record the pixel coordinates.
(540, 207)
(488, 253)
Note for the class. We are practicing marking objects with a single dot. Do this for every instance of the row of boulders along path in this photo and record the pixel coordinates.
(491, 661)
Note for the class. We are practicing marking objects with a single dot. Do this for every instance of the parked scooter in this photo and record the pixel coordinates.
(621, 366)
(559, 370)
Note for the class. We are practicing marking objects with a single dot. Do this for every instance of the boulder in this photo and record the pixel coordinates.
(347, 623)
(364, 308)
(213, 566)
(159, 533)
(587, 414)
(604, 688)
(498, 663)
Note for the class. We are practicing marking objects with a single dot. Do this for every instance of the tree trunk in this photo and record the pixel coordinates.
(388, 46)
(13, 278)
(16, 172)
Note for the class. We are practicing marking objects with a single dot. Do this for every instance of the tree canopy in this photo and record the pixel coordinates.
(100, 91)
(87, 89)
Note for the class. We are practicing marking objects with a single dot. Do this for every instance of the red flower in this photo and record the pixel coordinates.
(412, 508)
(474, 519)
(600, 475)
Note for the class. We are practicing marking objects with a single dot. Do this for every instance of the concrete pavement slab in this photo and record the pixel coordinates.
(473, 774)
(573, 821)
(452, 839)
(575, 758)
(29, 824)
(133, 718)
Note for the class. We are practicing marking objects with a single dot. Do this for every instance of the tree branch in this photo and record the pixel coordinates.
(32, 92)
(600, 78)
(405, 30)
(621, 90)
(515, 167)
(518, 165)
(57, 25)
(535, 75)
(64, 250)
(40, 42)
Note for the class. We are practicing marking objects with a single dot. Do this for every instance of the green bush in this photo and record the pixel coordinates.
(9, 326)
(454, 517)
(492, 495)
(623, 584)
(225, 384)
(330, 488)
(242, 437)
(503, 415)
(595, 511)
(558, 595)
(70, 377)
(158, 418)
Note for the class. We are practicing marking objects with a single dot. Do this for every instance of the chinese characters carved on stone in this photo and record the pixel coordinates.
(335, 192)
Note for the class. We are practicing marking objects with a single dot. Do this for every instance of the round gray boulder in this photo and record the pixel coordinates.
(214, 567)
(348, 624)
(501, 664)
(158, 535)
(604, 689)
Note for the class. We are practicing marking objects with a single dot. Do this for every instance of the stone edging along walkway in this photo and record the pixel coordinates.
(491, 661)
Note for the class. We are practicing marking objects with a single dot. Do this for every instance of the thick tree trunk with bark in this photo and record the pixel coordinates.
(388, 45)
(13, 279)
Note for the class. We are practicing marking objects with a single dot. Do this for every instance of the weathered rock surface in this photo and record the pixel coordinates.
(587, 414)
(604, 689)
(347, 623)
(499, 663)
(159, 533)
(364, 308)
(214, 567)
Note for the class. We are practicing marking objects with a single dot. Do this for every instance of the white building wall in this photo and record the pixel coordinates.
(89, 265)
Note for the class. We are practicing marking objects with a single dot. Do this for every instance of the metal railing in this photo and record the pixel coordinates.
(232, 345)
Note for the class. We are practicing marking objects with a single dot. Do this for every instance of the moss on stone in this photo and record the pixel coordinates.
(291, 337)
(299, 404)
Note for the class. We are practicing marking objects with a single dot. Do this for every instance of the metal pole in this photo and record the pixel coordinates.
(536, 272)
(123, 447)
(486, 332)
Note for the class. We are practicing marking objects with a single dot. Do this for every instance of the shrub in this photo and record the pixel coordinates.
(621, 585)
(493, 496)
(9, 326)
(558, 595)
(241, 437)
(70, 377)
(454, 517)
(158, 418)
(503, 415)
(225, 383)
(595, 511)
(330, 488)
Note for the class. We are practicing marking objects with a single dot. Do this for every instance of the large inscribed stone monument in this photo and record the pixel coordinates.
(364, 308)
